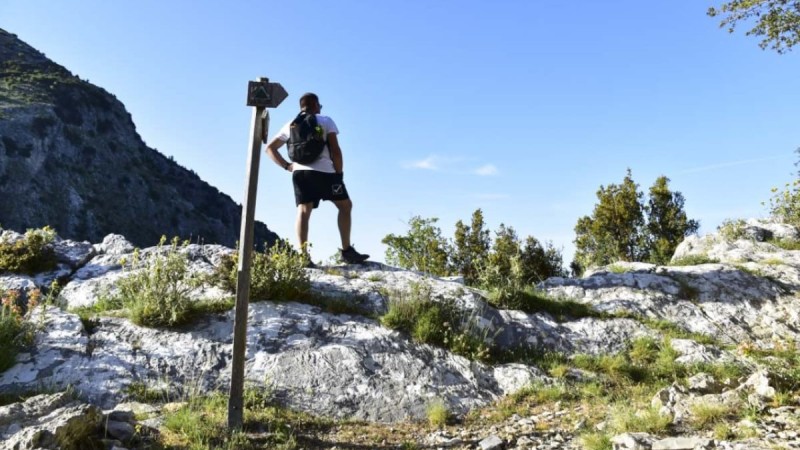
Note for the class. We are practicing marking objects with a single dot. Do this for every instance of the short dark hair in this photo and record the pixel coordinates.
(307, 99)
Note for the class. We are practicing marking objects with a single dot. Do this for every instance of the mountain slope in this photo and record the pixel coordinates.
(70, 157)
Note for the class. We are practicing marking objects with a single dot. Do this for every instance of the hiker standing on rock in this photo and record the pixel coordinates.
(317, 172)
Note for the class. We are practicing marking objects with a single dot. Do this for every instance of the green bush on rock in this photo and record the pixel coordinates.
(437, 322)
(156, 292)
(15, 332)
(32, 254)
(277, 273)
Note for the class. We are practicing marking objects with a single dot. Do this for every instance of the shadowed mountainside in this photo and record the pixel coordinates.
(70, 157)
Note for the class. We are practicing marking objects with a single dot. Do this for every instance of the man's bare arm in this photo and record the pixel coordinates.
(275, 156)
(336, 153)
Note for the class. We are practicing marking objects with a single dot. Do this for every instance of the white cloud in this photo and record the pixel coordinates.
(432, 162)
(428, 163)
(450, 164)
(486, 170)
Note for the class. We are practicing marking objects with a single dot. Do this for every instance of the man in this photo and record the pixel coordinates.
(321, 179)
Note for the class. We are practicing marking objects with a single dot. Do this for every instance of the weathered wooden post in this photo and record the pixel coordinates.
(262, 95)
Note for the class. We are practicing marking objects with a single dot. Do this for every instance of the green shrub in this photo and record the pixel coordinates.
(437, 322)
(156, 292)
(512, 264)
(786, 244)
(623, 227)
(471, 244)
(15, 332)
(732, 229)
(422, 248)
(785, 204)
(277, 273)
(30, 255)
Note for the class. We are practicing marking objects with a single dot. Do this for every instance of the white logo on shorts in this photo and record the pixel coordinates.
(338, 189)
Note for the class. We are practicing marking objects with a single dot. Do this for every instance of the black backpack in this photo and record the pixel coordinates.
(306, 139)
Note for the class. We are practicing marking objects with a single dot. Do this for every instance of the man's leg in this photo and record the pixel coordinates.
(344, 220)
(301, 224)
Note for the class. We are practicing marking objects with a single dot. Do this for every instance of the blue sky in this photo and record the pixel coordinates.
(522, 108)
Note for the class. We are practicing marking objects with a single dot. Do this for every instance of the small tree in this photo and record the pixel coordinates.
(471, 245)
(667, 224)
(423, 248)
(615, 229)
(539, 263)
(785, 204)
(502, 264)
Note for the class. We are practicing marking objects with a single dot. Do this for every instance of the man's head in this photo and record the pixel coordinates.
(309, 102)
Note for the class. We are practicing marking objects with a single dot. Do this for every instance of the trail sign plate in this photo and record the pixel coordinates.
(265, 94)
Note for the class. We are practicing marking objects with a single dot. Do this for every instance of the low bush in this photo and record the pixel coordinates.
(15, 331)
(277, 273)
(30, 255)
(156, 291)
(732, 229)
(437, 322)
(785, 204)
(786, 244)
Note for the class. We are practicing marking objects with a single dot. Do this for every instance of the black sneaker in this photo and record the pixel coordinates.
(351, 256)
(309, 264)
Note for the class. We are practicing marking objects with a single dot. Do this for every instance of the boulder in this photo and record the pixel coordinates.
(50, 421)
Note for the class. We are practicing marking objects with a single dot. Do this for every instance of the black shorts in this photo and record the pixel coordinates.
(311, 186)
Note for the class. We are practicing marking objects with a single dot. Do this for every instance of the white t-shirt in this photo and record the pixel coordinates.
(324, 163)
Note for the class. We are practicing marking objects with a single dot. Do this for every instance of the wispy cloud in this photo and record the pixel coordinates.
(724, 165)
(450, 164)
(433, 162)
(486, 170)
(428, 163)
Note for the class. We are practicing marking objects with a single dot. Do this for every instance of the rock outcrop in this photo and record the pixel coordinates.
(350, 366)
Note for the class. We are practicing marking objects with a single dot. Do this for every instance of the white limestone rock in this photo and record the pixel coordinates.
(52, 421)
(339, 366)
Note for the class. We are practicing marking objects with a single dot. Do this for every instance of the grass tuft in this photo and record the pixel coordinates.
(437, 413)
(693, 260)
(704, 415)
(596, 441)
(531, 300)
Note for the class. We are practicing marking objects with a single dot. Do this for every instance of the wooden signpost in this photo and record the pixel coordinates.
(261, 95)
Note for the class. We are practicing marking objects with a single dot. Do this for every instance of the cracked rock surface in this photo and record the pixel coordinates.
(349, 366)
